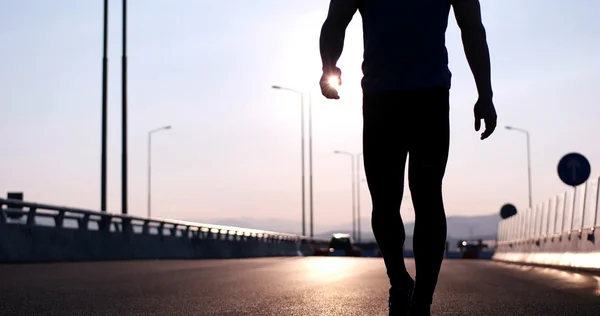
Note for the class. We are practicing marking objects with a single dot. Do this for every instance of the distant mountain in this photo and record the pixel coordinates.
(459, 227)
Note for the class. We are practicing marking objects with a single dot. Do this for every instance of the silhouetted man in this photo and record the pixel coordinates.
(406, 87)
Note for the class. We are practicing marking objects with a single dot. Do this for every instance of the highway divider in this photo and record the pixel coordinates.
(31, 232)
(561, 232)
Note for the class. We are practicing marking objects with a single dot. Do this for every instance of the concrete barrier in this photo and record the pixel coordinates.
(562, 232)
(577, 249)
(27, 235)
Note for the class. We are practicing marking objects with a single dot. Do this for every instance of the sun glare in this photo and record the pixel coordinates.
(334, 82)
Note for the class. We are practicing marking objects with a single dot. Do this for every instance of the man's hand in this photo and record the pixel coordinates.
(331, 43)
(485, 110)
(330, 81)
(468, 18)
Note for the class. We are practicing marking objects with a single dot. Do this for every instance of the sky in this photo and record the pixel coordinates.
(206, 68)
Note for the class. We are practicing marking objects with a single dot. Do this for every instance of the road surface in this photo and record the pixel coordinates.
(284, 286)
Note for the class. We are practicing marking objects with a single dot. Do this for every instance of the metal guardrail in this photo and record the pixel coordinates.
(568, 214)
(28, 214)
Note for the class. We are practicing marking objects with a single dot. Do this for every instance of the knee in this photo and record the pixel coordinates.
(425, 193)
(386, 211)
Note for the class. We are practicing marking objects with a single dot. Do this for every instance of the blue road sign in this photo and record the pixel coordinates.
(574, 169)
(507, 211)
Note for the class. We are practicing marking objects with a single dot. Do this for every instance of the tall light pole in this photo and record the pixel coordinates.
(353, 186)
(150, 165)
(124, 114)
(301, 153)
(103, 158)
(310, 164)
(528, 158)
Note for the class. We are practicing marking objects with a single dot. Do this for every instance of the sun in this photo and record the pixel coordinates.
(334, 82)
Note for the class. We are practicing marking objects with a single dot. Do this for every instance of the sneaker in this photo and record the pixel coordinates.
(399, 301)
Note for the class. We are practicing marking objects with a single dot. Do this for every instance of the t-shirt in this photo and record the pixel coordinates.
(405, 44)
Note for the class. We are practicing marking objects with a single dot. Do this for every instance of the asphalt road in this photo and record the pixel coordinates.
(284, 286)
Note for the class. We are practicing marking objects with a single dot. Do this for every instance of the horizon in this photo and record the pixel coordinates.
(207, 70)
(365, 218)
(458, 226)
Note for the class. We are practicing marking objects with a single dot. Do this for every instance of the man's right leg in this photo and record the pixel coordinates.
(384, 162)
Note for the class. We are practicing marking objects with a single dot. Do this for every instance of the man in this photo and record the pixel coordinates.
(406, 111)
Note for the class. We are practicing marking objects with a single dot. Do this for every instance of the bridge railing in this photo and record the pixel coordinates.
(576, 212)
(35, 215)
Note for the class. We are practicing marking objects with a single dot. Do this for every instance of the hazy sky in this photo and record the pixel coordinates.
(206, 67)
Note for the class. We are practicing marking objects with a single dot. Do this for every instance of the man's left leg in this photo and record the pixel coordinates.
(428, 156)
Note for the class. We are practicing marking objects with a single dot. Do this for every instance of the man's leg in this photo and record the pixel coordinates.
(384, 162)
(427, 165)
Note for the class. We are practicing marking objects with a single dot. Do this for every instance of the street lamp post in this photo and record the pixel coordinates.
(103, 158)
(302, 156)
(528, 159)
(310, 164)
(150, 166)
(124, 190)
(353, 191)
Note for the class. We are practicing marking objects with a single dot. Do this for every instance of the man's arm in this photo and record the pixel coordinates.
(468, 18)
(333, 32)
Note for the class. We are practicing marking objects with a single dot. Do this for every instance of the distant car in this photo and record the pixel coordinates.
(470, 249)
(339, 245)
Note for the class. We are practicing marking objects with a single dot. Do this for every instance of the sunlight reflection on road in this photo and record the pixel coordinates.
(597, 285)
(568, 278)
(336, 268)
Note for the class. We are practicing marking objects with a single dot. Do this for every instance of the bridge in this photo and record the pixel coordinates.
(64, 261)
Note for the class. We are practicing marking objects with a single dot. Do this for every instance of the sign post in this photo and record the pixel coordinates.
(574, 169)
(508, 210)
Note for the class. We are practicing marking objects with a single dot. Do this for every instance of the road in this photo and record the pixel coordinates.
(284, 286)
